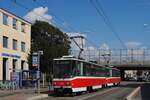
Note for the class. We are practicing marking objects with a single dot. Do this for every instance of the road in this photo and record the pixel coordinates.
(113, 93)
(144, 93)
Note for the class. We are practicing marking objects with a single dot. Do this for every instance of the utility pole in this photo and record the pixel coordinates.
(39, 54)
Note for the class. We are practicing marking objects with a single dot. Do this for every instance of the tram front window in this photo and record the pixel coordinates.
(62, 69)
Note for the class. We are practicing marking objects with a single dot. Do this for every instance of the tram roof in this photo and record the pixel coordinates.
(82, 60)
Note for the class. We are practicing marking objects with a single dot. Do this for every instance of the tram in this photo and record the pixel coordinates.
(72, 75)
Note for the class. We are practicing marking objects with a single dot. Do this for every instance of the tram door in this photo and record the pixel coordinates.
(4, 68)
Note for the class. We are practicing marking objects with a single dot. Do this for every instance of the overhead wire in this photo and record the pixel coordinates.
(58, 18)
(68, 26)
(100, 11)
(28, 9)
(110, 24)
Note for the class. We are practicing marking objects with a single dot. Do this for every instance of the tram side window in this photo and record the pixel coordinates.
(89, 70)
(108, 73)
(93, 70)
(100, 72)
(76, 68)
(86, 69)
(115, 73)
(118, 73)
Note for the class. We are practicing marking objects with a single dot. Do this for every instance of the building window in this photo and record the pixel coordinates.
(5, 42)
(5, 19)
(14, 65)
(23, 46)
(14, 23)
(14, 44)
(22, 27)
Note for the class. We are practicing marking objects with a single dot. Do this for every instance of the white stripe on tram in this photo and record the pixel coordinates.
(97, 87)
(69, 79)
(79, 89)
(110, 84)
(112, 77)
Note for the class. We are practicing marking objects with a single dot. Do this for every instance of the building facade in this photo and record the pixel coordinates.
(15, 40)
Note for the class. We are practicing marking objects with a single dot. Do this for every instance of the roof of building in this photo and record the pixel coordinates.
(6, 11)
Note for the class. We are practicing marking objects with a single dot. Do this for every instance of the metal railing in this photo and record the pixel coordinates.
(9, 85)
(117, 56)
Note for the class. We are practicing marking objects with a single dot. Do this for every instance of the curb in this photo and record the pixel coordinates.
(8, 94)
(41, 96)
(133, 93)
(5, 95)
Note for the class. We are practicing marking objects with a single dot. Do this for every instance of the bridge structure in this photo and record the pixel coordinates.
(123, 59)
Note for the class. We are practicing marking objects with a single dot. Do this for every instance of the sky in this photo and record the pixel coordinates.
(130, 19)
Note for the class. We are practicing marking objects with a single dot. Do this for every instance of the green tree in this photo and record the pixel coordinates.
(51, 40)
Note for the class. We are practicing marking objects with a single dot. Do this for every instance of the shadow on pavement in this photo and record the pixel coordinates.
(130, 85)
(145, 91)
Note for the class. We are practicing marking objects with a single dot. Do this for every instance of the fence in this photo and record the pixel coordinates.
(11, 85)
(116, 56)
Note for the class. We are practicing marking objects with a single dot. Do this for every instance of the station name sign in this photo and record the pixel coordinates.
(10, 55)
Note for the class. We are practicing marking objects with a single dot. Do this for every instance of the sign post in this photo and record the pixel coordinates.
(36, 62)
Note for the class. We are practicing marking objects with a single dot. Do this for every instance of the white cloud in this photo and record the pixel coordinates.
(40, 14)
(76, 34)
(104, 49)
(135, 48)
(133, 45)
(145, 25)
(104, 46)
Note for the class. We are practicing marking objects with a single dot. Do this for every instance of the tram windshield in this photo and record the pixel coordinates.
(63, 68)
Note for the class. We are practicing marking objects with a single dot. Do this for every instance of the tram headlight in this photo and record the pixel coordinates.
(54, 83)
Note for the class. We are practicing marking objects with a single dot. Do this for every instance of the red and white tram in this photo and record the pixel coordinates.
(74, 75)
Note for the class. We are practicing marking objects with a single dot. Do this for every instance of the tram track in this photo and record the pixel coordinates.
(104, 93)
(119, 93)
(85, 95)
(110, 93)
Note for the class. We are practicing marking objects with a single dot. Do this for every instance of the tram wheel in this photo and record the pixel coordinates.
(103, 86)
(78, 93)
(89, 89)
(73, 94)
(58, 93)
